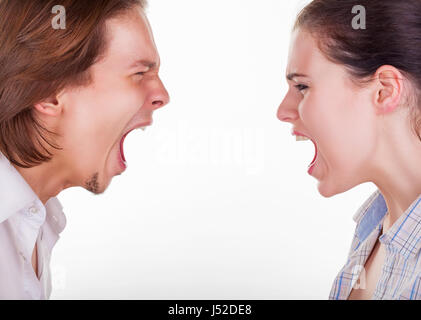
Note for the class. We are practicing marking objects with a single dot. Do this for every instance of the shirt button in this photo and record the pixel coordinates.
(33, 210)
(23, 257)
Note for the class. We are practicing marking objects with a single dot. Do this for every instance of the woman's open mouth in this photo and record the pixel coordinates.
(301, 137)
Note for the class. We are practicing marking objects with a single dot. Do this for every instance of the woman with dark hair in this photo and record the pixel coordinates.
(356, 94)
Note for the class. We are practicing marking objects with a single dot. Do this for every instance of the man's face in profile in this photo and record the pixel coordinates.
(124, 92)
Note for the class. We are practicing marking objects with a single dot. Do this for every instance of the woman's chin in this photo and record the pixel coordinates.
(326, 191)
(327, 188)
(330, 187)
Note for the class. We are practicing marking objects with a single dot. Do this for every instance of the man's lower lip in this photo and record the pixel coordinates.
(122, 163)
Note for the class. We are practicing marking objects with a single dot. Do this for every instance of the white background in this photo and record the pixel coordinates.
(216, 202)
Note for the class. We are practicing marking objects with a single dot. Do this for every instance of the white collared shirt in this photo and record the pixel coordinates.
(24, 222)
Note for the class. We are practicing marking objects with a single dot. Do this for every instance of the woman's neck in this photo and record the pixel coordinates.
(397, 170)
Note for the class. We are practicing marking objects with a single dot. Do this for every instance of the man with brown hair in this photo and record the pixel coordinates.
(68, 98)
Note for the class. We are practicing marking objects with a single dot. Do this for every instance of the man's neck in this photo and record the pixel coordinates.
(46, 180)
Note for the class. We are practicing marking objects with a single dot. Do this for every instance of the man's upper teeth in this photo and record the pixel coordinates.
(301, 138)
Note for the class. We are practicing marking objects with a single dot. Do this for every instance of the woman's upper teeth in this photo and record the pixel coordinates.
(301, 138)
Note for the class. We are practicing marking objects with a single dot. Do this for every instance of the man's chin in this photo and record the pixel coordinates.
(93, 184)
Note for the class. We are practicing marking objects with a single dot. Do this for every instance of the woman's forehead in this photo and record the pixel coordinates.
(305, 56)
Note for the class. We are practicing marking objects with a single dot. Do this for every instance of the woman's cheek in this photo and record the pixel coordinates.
(307, 114)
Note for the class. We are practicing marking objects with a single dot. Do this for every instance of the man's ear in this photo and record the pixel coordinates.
(51, 106)
(388, 89)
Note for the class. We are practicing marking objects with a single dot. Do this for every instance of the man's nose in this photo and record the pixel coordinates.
(160, 96)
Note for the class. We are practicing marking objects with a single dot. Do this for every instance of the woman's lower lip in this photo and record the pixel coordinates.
(311, 168)
(313, 163)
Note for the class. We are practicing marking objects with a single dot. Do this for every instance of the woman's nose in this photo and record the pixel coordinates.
(287, 112)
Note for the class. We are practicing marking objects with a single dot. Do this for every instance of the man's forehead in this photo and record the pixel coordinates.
(131, 42)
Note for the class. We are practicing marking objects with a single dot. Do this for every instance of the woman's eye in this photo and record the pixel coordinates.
(140, 73)
(301, 87)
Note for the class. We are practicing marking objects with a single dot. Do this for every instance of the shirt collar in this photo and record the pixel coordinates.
(366, 206)
(55, 215)
(405, 234)
(17, 195)
(370, 215)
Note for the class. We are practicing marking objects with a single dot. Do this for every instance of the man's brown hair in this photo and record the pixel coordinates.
(38, 61)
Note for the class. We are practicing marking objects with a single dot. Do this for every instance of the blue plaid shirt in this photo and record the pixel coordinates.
(401, 273)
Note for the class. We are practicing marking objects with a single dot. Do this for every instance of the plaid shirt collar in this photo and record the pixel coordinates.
(403, 237)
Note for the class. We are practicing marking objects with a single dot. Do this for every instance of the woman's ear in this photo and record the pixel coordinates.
(389, 89)
(51, 106)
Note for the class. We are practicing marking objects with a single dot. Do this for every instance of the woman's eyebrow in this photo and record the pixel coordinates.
(291, 76)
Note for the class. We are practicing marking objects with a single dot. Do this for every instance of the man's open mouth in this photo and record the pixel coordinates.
(122, 156)
(122, 148)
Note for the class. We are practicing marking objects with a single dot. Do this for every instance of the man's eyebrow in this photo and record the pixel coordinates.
(146, 63)
(291, 76)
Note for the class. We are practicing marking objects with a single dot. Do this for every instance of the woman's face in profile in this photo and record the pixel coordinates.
(323, 104)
